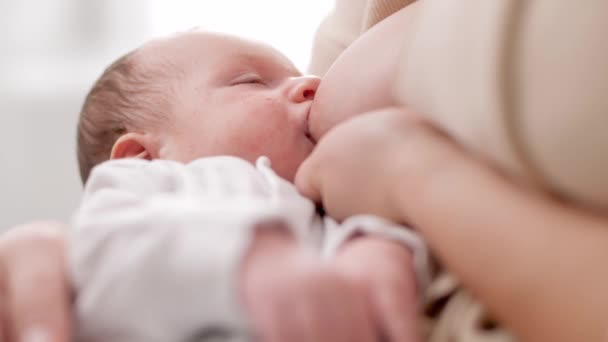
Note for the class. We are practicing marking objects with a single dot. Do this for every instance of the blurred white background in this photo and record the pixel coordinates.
(51, 51)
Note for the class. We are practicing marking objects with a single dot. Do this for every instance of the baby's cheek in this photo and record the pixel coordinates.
(261, 139)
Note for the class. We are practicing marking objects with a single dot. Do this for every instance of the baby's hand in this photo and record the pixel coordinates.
(292, 296)
(384, 272)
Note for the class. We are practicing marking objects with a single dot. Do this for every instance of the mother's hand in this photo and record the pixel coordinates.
(356, 166)
(34, 295)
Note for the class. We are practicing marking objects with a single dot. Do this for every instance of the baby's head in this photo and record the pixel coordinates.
(198, 94)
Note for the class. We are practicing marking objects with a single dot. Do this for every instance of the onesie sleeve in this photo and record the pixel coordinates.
(337, 234)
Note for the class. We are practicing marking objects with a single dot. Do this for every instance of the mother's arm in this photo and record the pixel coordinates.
(537, 264)
(34, 292)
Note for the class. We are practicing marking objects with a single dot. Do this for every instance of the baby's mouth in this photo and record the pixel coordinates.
(311, 139)
(307, 128)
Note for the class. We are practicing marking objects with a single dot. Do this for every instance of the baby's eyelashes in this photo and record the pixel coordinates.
(249, 79)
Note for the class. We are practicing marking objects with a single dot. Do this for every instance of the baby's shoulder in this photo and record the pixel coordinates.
(216, 175)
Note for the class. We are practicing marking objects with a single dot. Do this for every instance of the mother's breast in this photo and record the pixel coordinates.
(362, 78)
(522, 83)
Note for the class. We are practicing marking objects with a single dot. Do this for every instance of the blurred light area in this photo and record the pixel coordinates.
(65, 42)
(285, 24)
(52, 51)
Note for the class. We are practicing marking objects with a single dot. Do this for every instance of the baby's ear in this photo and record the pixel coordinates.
(132, 145)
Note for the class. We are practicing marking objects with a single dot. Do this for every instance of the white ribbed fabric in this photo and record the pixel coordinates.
(155, 246)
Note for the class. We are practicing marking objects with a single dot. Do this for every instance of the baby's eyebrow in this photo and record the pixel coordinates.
(262, 61)
(231, 64)
(244, 62)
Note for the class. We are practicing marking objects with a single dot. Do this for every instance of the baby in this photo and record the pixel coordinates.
(161, 230)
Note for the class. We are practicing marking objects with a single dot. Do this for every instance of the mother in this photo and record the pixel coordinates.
(520, 92)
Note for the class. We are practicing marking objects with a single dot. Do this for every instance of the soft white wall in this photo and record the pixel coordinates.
(51, 52)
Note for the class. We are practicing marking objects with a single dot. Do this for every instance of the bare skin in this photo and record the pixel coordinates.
(533, 261)
(348, 88)
(538, 269)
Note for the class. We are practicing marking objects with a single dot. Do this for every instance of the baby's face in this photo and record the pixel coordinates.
(234, 97)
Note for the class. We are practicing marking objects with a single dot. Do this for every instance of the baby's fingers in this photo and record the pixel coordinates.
(397, 312)
(350, 317)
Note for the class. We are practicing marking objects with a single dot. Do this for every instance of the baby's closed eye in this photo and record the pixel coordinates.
(248, 79)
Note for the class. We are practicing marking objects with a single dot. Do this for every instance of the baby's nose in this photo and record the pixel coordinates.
(303, 88)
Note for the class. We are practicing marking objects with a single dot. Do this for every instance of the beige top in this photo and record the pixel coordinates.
(523, 83)
(345, 23)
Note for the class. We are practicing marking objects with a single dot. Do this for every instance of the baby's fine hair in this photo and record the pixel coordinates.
(127, 97)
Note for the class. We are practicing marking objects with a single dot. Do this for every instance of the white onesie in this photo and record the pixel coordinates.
(155, 246)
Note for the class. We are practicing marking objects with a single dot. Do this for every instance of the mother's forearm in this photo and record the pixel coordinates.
(538, 265)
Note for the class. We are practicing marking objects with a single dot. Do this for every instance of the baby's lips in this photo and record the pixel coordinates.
(307, 130)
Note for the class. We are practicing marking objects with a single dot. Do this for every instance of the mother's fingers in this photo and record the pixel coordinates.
(359, 325)
(39, 297)
(35, 282)
(4, 307)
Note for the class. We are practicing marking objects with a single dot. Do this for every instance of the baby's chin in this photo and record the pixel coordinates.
(288, 170)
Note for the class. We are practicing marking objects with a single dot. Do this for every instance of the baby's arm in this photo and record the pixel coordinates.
(384, 271)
